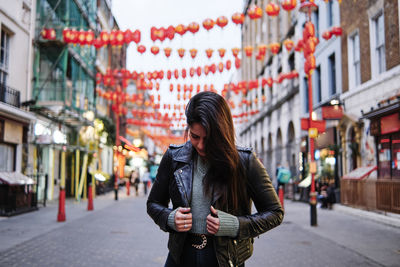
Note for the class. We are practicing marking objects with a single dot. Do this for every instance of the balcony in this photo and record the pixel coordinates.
(9, 95)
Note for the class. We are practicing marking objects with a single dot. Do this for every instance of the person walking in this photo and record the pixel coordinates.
(211, 183)
(146, 180)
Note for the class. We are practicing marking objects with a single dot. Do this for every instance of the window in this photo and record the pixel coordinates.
(318, 84)
(7, 157)
(379, 43)
(305, 82)
(4, 56)
(330, 13)
(354, 60)
(315, 19)
(332, 74)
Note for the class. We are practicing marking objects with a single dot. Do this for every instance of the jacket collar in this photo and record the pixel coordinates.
(185, 153)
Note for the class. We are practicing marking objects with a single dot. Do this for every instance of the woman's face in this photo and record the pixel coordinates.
(197, 136)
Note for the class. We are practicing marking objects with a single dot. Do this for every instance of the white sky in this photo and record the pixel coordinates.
(142, 15)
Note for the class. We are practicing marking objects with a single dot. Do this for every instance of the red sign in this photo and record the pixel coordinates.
(332, 112)
(320, 125)
(390, 124)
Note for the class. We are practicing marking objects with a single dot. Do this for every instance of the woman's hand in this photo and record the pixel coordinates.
(213, 221)
(183, 220)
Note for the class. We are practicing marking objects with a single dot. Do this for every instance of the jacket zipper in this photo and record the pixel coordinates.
(183, 188)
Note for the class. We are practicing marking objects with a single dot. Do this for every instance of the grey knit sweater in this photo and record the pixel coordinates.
(200, 207)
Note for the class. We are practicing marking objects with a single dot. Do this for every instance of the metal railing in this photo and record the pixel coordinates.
(10, 96)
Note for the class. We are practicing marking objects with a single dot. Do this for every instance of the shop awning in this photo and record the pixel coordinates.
(15, 178)
(306, 182)
(360, 173)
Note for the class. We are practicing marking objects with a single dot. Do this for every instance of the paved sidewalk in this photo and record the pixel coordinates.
(120, 233)
(20, 228)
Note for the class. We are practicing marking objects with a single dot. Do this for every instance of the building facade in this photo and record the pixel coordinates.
(369, 131)
(274, 132)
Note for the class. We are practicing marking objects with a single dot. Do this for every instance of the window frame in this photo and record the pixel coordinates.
(378, 51)
(5, 37)
(354, 70)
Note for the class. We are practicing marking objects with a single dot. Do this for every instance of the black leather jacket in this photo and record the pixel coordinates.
(174, 182)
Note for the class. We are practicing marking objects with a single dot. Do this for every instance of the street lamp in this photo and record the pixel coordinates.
(309, 43)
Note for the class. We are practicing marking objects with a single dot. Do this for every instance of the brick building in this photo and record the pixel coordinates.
(370, 128)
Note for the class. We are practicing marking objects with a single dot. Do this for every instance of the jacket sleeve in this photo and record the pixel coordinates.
(157, 202)
(269, 210)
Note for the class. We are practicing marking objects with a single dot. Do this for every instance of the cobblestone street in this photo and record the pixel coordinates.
(119, 233)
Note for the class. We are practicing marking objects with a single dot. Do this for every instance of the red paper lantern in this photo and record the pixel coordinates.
(262, 50)
(213, 68)
(272, 9)
(193, 52)
(181, 52)
(81, 37)
(228, 64)
(336, 31)
(255, 12)
(220, 67)
(235, 51)
(105, 38)
(194, 27)
(208, 24)
(222, 21)
(248, 50)
(89, 37)
(289, 5)
(237, 63)
(155, 50)
(309, 47)
(167, 51)
(289, 44)
(183, 73)
(171, 87)
(221, 52)
(199, 70)
(97, 43)
(209, 52)
(181, 29)
(176, 74)
(299, 46)
(74, 36)
(113, 39)
(128, 36)
(66, 35)
(170, 32)
(136, 36)
(169, 74)
(119, 37)
(206, 69)
(327, 35)
(191, 72)
(141, 49)
(308, 31)
(275, 47)
(238, 18)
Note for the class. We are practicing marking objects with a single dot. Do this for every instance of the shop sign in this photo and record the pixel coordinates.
(390, 124)
(319, 124)
(313, 132)
(12, 132)
(334, 112)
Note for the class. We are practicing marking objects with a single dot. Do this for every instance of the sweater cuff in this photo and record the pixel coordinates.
(228, 224)
(171, 219)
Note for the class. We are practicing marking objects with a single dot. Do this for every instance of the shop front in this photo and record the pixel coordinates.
(385, 127)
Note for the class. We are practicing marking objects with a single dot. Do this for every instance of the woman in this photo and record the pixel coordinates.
(211, 183)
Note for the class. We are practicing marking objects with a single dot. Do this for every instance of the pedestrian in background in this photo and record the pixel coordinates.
(146, 180)
(135, 180)
(211, 182)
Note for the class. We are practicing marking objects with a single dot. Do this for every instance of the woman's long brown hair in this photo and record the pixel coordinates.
(225, 174)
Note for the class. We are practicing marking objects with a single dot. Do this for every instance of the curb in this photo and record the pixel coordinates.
(388, 218)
